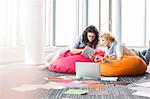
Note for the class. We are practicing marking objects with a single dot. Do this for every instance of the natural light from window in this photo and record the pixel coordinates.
(93, 13)
(65, 22)
(133, 22)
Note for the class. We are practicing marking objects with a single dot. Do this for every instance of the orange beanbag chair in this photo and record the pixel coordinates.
(128, 66)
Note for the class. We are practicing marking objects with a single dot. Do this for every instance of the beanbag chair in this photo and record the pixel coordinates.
(67, 53)
(67, 64)
(128, 66)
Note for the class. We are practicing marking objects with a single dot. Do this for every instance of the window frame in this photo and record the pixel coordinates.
(146, 25)
(82, 19)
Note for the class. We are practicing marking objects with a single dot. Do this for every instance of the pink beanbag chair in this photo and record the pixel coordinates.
(67, 64)
(67, 53)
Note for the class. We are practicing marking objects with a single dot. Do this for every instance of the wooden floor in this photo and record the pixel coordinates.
(14, 75)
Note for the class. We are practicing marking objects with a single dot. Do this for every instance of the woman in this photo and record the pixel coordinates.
(88, 38)
(116, 49)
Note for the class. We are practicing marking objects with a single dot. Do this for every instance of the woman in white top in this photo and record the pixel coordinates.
(116, 49)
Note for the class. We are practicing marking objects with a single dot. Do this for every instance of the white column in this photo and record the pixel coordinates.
(84, 14)
(116, 19)
(32, 26)
(49, 20)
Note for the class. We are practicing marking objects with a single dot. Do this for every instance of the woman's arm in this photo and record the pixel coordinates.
(76, 51)
(105, 56)
(119, 54)
(74, 47)
(100, 58)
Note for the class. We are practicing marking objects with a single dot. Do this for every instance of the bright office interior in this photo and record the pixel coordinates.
(29, 28)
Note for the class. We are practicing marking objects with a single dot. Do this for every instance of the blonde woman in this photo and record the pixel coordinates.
(117, 49)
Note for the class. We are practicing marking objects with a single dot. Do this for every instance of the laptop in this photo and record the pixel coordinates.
(87, 70)
(88, 50)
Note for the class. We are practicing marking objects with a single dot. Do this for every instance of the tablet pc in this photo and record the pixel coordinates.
(88, 50)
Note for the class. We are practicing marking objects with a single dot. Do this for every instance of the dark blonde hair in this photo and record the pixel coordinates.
(108, 36)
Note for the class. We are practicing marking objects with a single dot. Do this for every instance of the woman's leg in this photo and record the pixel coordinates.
(54, 56)
(48, 58)
(144, 52)
(143, 57)
(147, 55)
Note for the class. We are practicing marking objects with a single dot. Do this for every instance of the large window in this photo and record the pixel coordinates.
(65, 27)
(147, 22)
(133, 22)
(104, 15)
(93, 13)
(68, 18)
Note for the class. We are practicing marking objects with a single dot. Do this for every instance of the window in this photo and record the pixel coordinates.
(65, 26)
(147, 22)
(133, 22)
(104, 15)
(66, 19)
(130, 22)
(93, 13)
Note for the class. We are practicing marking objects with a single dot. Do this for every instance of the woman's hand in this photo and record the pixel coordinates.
(91, 56)
(99, 58)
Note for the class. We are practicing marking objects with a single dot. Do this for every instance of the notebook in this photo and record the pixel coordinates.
(87, 70)
(109, 78)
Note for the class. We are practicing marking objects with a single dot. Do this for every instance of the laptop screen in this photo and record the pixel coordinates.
(87, 69)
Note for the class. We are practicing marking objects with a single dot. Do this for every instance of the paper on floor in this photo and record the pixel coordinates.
(75, 85)
(74, 91)
(96, 86)
(27, 87)
(90, 81)
(145, 84)
(141, 93)
(53, 85)
(144, 89)
(109, 78)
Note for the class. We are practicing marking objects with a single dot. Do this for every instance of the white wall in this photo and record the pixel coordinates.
(31, 23)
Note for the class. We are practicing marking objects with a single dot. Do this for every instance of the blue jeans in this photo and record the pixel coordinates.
(145, 55)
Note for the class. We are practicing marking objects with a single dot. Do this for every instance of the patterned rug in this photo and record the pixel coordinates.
(115, 89)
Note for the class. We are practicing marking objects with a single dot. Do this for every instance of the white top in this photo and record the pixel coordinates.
(118, 50)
